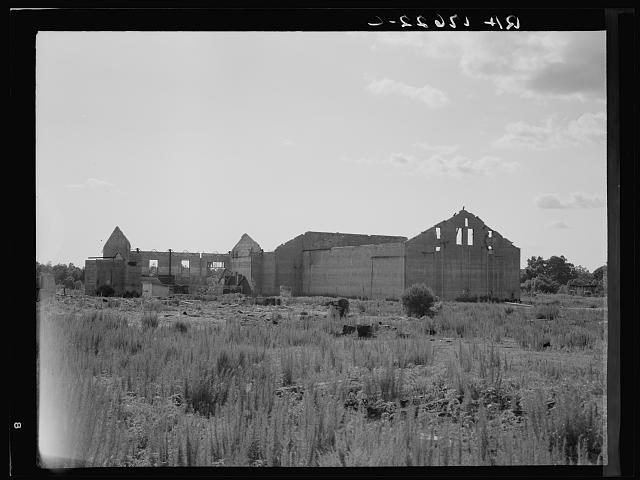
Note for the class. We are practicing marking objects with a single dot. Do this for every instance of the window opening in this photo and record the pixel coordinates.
(458, 236)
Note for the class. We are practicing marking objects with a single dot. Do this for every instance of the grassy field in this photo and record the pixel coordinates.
(219, 381)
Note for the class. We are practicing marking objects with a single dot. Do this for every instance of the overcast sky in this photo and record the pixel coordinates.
(188, 140)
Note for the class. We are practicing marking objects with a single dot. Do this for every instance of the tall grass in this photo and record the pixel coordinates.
(129, 393)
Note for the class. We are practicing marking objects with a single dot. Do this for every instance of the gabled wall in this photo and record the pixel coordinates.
(116, 243)
(459, 270)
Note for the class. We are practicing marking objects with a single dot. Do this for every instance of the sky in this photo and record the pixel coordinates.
(187, 140)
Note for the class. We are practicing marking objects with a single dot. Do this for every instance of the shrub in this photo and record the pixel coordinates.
(150, 320)
(548, 311)
(180, 326)
(105, 291)
(467, 298)
(418, 299)
(154, 306)
(545, 284)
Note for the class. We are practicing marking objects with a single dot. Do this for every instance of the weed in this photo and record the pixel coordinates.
(150, 320)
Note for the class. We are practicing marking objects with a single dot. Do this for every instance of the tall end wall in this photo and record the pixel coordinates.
(484, 263)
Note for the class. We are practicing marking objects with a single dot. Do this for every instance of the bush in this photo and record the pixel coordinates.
(544, 284)
(105, 291)
(547, 310)
(181, 326)
(418, 299)
(150, 320)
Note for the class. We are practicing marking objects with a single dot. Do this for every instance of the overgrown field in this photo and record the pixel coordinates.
(128, 382)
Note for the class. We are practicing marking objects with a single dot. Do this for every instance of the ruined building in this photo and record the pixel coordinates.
(457, 257)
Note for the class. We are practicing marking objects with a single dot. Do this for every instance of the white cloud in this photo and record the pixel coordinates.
(430, 96)
(560, 225)
(92, 183)
(586, 130)
(438, 149)
(567, 65)
(287, 143)
(453, 166)
(576, 200)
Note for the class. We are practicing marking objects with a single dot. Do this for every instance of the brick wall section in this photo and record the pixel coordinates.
(366, 271)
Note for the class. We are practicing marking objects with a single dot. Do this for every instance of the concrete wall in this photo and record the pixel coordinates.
(105, 272)
(289, 256)
(288, 265)
(370, 271)
(268, 274)
(90, 277)
(456, 270)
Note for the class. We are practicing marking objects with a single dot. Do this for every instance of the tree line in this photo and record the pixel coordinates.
(69, 276)
(556, 274)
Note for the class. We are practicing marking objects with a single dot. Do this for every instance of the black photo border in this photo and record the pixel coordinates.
(622, 174)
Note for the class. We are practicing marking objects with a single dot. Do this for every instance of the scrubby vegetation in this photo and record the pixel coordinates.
(475, 384)
(418, 299)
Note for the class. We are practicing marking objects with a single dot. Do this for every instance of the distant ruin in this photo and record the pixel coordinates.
(458, 257)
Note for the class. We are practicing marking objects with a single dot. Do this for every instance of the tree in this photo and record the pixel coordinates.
(527, 285)
(535, 266)
(559, 270)
(599, 272)
(61, 271)
(545, 284)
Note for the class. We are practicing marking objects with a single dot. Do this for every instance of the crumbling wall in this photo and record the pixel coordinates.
(195, 275)
(469, 259)
(288, 263)
(369, 271)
